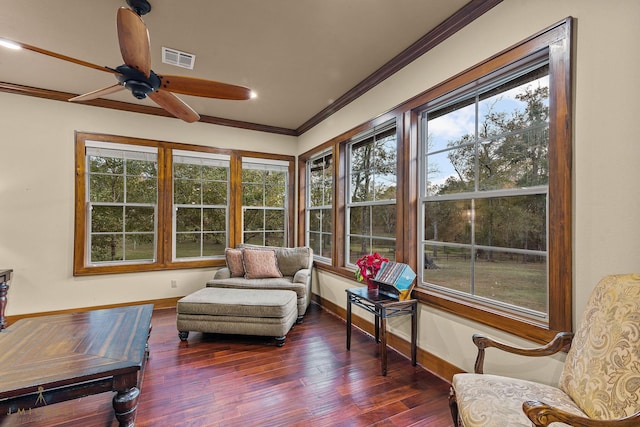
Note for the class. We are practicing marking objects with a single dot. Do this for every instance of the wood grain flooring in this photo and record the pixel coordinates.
(221, 380)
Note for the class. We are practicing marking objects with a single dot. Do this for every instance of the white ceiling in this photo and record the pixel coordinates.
(298, 55)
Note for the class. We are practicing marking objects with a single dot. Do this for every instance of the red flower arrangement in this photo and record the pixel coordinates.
(368, 267)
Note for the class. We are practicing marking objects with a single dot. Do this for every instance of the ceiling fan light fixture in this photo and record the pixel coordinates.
(10, 44)
(138, 88)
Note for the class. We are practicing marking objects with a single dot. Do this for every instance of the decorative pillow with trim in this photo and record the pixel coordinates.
(260, 264)
(234, 262)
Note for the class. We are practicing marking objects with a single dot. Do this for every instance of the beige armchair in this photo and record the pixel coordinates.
(599, 385)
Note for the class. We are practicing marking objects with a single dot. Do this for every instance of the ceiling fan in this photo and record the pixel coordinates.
(136, 74)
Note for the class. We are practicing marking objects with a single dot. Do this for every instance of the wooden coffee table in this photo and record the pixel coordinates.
(50, 359)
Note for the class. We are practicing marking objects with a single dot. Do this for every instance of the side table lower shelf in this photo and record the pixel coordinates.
(382, 306)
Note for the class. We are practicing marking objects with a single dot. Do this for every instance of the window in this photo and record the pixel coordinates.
(264, 201)
(481, 188)
(200, 201)
(319, 197)
(484, 204)
(122, 194)
(371, 194)
(144, 205)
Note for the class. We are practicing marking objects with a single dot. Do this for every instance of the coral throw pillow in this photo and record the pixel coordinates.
(234, 262)
(260, 264)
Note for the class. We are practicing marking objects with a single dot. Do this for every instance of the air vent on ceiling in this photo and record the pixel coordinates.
(178, 58)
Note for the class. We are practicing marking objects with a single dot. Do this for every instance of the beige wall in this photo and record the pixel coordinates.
(37, 191)
(36, 172)
(606, 151)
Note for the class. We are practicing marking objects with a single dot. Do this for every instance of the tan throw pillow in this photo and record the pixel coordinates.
(260, 264)
(234, 262)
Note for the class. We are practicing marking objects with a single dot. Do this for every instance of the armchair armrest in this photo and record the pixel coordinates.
(223, 273)
(542, 415)
(559, 342)
(302, 275)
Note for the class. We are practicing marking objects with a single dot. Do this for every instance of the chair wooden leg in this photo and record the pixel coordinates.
(453, 406)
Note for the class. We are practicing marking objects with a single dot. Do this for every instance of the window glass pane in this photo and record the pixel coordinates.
(358, 246)
(275, 178)
(315, 220)
(138, 218)
(142, 190)
(274, 239)
(214, 193)
(253, 175)
(315, 240)
(253, 219)
(385, 186)
(386, 248)
(254, 238)
(384, 220)
(360, 220)
(450, 127)
(139, 247)
(214, 219)
(188, 219)
(106, 165)
(274, 220)
(214, 244)
(362, 186)
(515, 279)
(448, 221)
(512, 222)
(186, 192)
(186, 171)
(448, 267)
(106, 188)
(188, 245)
(451, 171)
(327, 221)
(275, 196)
(252, 194)
(106, 247)
(106, 219)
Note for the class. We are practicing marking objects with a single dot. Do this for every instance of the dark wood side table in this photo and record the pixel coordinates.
(5, 277)
(382, 306)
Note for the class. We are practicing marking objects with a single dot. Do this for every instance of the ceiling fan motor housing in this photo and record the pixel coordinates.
(139, 84)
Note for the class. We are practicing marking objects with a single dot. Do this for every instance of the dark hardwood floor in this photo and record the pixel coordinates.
(219, 380)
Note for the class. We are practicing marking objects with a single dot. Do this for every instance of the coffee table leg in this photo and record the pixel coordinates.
(125, 403)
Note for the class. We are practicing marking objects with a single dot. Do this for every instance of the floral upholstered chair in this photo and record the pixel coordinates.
(599, 384)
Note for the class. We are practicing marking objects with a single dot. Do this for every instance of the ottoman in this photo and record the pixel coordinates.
(264, 312)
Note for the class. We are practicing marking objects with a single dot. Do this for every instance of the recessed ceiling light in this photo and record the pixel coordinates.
(10, 44)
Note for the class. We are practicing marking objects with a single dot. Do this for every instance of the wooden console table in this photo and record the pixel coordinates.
(5, 277)
(382, 306)
(50, 359)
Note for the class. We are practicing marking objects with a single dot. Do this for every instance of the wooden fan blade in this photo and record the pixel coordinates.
(62, 57)
(175, 106)
(98, 93)
(205, 88)
(134, 41)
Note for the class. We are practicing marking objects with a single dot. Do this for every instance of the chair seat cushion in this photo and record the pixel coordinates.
(495, 401)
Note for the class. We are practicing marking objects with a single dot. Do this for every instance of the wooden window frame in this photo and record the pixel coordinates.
(164, 238)
(558, 40)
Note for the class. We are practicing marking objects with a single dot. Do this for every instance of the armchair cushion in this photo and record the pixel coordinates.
(234, 262)
(602, 369)
(260, 264)
(495, 401)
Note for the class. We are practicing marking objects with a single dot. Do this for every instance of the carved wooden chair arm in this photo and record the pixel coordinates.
(542, 415)
(559, 342)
